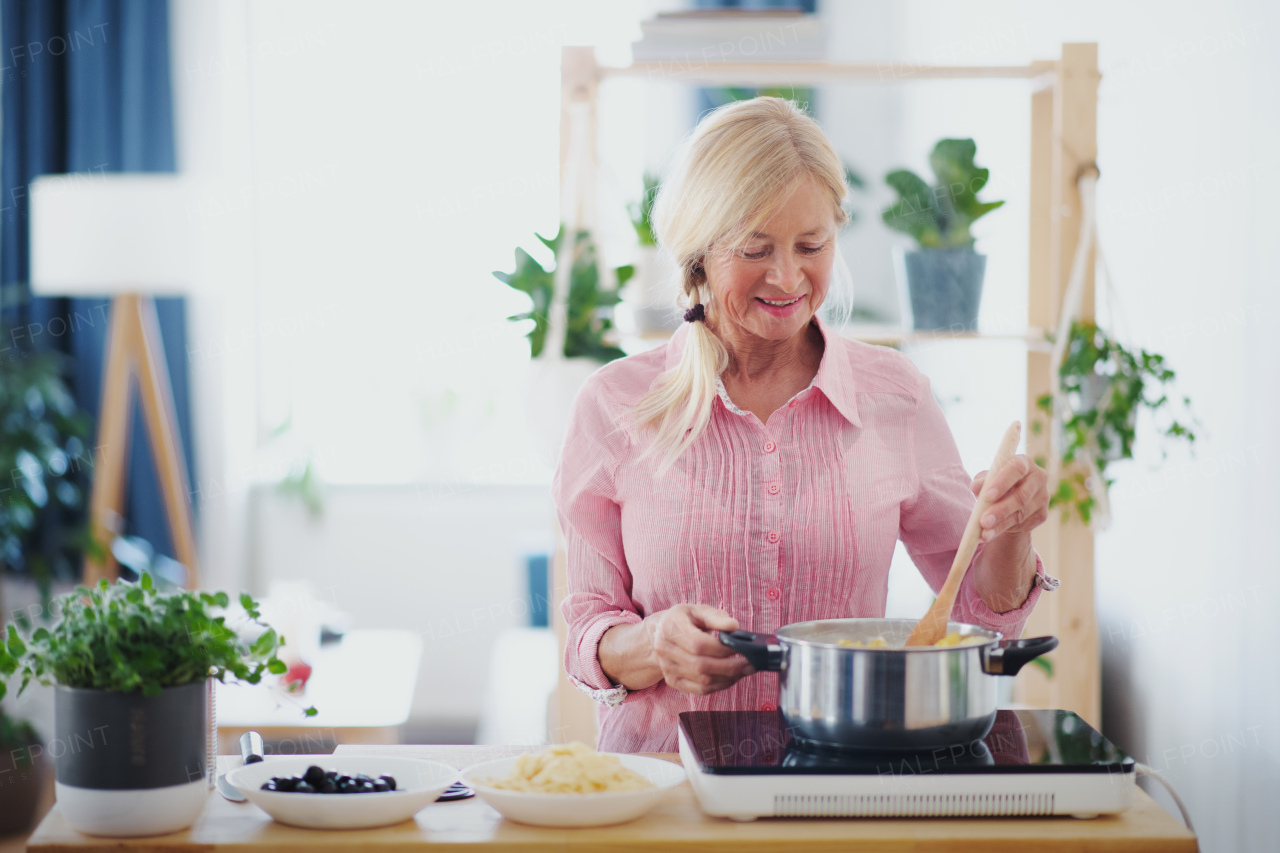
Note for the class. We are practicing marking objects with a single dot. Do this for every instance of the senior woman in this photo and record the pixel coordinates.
(758, 469)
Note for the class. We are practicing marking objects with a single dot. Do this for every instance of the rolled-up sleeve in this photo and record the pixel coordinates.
(932, 521)
(599, 582)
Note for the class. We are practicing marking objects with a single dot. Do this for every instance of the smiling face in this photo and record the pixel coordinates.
(771, 286)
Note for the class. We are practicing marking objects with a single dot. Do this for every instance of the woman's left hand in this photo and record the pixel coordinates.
(1018, 498)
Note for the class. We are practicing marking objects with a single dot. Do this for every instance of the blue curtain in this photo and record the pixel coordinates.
(86, 88)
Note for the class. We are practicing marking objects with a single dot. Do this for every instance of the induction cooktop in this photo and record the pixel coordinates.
(746, 764)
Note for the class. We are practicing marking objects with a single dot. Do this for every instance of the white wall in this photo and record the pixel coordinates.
(445, 561)
(1188, 123)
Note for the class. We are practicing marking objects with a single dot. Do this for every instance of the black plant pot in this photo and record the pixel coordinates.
(129, 765)
(945, 287)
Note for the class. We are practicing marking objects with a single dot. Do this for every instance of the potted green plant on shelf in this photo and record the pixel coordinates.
(46, 462)
(589, 336)
(131, 666)
(944, 274)
(1104, 386)
(652, 291)
(22, 774)
(589, 308)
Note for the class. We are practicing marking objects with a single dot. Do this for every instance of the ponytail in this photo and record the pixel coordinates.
(679, 407)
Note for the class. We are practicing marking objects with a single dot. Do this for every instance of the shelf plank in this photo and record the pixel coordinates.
(695, 70)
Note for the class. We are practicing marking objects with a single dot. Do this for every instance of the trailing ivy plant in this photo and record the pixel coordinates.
(133, 637)
(939, 216)
(1105, 386)
(589, 306)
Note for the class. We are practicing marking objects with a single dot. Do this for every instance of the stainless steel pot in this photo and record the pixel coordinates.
(889, 699)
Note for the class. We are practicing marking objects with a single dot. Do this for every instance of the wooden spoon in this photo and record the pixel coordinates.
(933, 626)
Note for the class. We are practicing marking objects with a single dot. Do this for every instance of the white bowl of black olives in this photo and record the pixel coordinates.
(342, 792)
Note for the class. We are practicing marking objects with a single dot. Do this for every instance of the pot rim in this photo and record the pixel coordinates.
(993, 637)
(137, 693)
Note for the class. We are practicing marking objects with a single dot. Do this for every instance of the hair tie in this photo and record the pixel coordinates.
(697, 312)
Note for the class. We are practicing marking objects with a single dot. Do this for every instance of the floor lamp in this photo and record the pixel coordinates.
(126, 236)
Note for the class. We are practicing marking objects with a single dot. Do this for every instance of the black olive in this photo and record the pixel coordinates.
(390, 780)
(269, 785)
(314, 776)
(360, 777)
(327, 787)
(304, 788)
(287, 784)
(381, 786)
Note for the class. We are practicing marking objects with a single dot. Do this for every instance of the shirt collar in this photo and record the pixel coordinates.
(835, 372)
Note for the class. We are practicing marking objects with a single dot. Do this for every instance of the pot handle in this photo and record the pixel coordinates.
(1010, 655)
(762, 651)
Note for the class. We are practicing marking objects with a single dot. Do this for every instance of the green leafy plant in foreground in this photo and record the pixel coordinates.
(939, 216)
(128, 637)
(589, 307)
(1105, 386)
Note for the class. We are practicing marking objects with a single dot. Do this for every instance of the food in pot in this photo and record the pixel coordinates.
(316, 780)
(955, 638)
(877, 643)
(572, 768)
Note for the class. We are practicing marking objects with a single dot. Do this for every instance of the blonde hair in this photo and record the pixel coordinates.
(735, 169)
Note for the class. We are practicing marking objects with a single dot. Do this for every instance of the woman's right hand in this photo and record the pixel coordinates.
(688, 651)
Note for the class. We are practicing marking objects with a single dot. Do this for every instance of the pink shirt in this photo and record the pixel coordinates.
(774, 523)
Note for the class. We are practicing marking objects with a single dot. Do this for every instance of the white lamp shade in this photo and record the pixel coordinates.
(97, 234)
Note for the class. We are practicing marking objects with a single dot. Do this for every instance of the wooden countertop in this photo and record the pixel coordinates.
(676, 825)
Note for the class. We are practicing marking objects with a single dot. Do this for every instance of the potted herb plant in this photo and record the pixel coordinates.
(131, 665)
(22, 774)
(1105, 385)
(589, 336)
(944, 274)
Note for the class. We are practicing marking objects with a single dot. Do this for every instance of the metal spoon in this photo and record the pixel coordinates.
(251, 752)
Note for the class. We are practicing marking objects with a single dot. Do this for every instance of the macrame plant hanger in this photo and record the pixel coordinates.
(1072, 300)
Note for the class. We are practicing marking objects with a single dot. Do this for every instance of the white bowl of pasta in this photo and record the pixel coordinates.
(573, 785)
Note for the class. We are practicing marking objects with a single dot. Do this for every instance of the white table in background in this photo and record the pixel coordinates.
(361, 686)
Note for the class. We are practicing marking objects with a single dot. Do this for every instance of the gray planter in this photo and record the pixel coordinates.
(131, 765)
(945, 288)
(1092, 389)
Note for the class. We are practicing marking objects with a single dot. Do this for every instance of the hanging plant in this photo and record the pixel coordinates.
(1105, 385)
(589, 309)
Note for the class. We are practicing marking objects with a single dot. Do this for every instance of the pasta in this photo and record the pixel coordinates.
(955, 638)
(573, 768)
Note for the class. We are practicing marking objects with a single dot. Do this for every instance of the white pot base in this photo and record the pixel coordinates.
(132, 813)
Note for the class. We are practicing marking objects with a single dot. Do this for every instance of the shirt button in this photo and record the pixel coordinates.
(768, 706)
(773, 537)
(769, 447)
(774, 488)
(772, 593)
